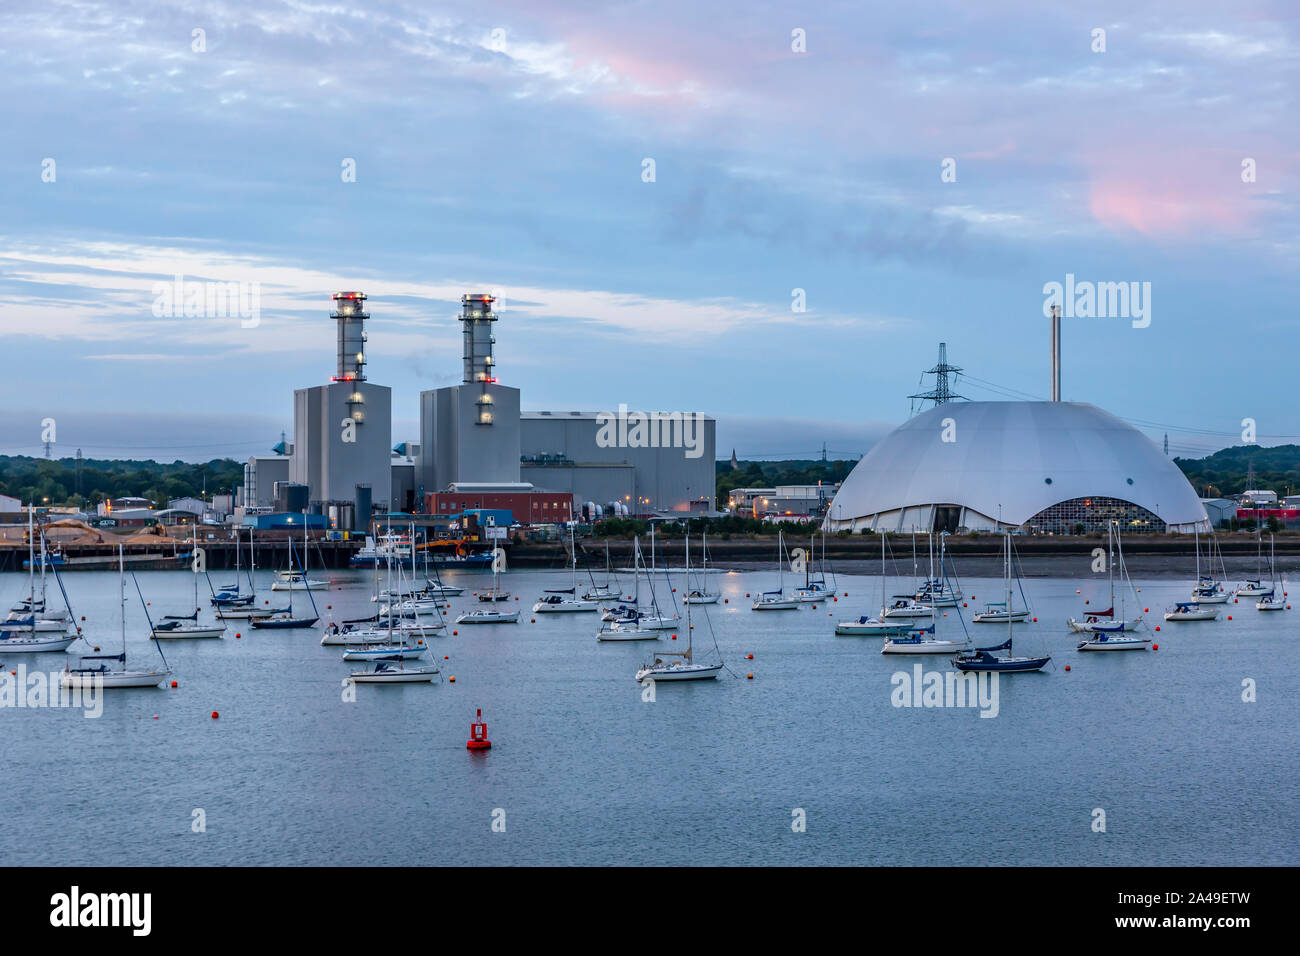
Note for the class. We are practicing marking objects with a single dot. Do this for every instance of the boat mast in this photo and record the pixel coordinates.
(1007, 572)
(882, 573)
(31, 561)
(121, 586)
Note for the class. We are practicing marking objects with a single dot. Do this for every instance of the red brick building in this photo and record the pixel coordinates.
(526, 507)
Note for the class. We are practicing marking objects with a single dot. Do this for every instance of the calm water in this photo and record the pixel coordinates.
(588, 773)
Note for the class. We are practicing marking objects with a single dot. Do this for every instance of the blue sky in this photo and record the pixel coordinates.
(500, 146)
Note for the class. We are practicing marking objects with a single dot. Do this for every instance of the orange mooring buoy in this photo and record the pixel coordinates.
(478, 734)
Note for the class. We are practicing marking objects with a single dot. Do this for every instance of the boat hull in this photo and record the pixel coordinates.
(373, 653)
(702, 598)
(113, 679)
(422, 676)
(1113, 642)
(680, 673)
(505, 617)
(36, 644)
(923, 647)
(188, 634)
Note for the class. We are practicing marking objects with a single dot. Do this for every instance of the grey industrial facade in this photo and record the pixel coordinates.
(561, 452)
(471, 432)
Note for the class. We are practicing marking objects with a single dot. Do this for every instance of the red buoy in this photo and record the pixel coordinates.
(478, 734)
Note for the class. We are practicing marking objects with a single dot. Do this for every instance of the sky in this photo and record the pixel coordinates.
(912, 173)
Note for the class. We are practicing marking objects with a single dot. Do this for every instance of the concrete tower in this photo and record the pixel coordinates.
(470, 432)
(343, 430)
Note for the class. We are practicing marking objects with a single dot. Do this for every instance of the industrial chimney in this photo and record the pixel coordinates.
(1056, 353)
(350, 314)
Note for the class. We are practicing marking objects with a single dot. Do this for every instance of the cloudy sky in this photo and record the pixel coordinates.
(503, 146)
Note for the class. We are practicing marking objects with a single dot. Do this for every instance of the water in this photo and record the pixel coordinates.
(588, 773)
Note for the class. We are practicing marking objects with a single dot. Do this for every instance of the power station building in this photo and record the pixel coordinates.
(342, 463)
(343, 430)
(474, 432)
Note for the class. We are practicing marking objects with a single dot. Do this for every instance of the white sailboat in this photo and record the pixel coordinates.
(924, 640)
(684, 666)
(492, 615)
(626, 623)
(35, 630)
(392, 672)
(938, 592)
(1255, 587)
(1191, 611)
(1108, 621)
(296, 579)
(1209, 589)
(182, 627)
(866, 626)
(566, 600)
(604, 593)
(1274, 600)
(701, 594)
(815, 589)
(101, 675)
(778, 600)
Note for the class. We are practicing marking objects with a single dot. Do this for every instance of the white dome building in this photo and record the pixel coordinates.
(1044, 467)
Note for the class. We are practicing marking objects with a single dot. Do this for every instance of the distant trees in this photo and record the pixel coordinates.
(55, 481)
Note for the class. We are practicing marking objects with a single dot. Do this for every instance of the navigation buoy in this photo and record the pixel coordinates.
(749, 657)
(455, 633)
(1155, 647)
(478, 734)
(1229, 617)
(215, 715)
(1157, 627)
(749, 677)
(174, 685)
(453, 678)
(1067, 667)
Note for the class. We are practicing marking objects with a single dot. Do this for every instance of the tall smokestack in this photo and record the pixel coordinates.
(1056, 353)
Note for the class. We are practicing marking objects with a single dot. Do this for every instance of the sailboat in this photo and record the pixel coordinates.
(982, 659)
(1273, 601)
(1208, 588)
(1254, 587)
(1106, 622)
(866, 626)
(283, 619)
(101, 675)
(684, 667)
(491, 615)
(434, 586)
(1115, 634)
(1191, 611)
(778, 600)
(495, 594)
(701, 594)
(34, 629)
(626, 623)
(815, 588)
(295, 579)
(391, 671)
(566, 600)
(908, 605)
(231, 601)
(603, 593)
(30, 615)
(180, 627)
(938, 592)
